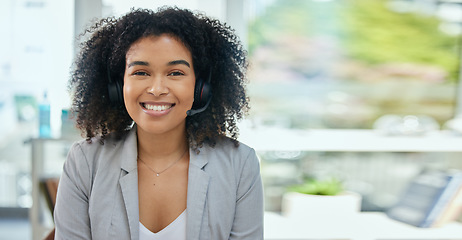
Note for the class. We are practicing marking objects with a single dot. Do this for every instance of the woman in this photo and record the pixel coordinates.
(158, 95)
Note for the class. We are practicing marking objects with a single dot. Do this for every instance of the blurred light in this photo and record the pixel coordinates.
(410, 125)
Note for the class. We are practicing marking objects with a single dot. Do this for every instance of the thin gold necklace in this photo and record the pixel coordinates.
(158, 173)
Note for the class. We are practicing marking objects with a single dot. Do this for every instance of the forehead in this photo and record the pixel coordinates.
(159, 47)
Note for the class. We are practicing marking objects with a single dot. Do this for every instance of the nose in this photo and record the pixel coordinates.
(157, 87)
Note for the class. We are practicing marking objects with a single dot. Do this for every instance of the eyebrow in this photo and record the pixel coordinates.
(142, 63)
(176, 62)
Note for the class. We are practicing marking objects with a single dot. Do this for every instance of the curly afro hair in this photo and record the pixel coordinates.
(214, 47)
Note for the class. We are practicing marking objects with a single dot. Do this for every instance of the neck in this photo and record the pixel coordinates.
(160, 147)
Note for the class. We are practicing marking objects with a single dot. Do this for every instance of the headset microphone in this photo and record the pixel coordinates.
(196, 111)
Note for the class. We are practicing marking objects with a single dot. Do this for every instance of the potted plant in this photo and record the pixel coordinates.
(320, 198)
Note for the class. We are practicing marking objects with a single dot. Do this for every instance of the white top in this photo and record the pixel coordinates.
(176, 230)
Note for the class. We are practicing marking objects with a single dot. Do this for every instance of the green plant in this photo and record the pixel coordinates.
(328, 187)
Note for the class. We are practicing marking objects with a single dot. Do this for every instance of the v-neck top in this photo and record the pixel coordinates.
(176, 230)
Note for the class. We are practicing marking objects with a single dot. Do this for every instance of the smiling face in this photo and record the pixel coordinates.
(159, 84)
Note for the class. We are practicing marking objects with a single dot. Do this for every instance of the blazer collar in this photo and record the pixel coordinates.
(129, 151)
(129, 180)
(198, 182)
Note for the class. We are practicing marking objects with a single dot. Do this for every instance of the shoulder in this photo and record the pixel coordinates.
(229, 149)
(226, 156)
(234, 168)
(109, 143)
(96, 146)
(97, 152)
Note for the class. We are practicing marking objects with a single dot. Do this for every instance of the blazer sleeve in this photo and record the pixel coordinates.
(71, 211)
(248, 219)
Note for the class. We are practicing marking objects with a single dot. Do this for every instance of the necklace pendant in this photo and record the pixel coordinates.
(157, 174)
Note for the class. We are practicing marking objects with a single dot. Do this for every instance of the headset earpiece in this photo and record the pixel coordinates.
(202, 95)
(115, 91)
(202, 92)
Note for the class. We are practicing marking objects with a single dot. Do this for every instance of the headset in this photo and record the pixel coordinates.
(115, 90)
(202, 93)
(202, 96)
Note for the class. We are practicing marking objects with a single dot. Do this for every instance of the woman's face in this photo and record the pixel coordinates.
(159, 84)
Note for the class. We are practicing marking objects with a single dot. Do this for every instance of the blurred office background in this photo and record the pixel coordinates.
(366, 91)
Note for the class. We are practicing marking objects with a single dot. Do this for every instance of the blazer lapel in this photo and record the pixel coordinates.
(129, 182)
(130, 195)
(198, 182)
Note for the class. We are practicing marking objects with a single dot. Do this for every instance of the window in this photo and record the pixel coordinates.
(346, 64)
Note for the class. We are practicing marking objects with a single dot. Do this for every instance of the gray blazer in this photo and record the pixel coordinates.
(98, 192)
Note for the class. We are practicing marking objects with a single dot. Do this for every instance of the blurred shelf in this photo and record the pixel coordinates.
(348, 140)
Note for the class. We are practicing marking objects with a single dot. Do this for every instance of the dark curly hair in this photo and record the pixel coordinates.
(214, 47)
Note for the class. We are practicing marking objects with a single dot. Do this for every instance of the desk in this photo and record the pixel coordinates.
(361, 226)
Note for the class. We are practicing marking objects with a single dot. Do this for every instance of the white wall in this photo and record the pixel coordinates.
(213, 8)
(36, 50)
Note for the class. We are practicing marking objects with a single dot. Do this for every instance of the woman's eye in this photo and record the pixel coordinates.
(140, 73)
(176, 73)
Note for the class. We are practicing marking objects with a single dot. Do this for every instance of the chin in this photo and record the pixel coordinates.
(161, 128)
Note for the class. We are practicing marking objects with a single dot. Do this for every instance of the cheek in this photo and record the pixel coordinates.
(190, 93)
(126, 92)
(129, 92)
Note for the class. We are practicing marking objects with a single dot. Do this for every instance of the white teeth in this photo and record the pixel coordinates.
(157, 107)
